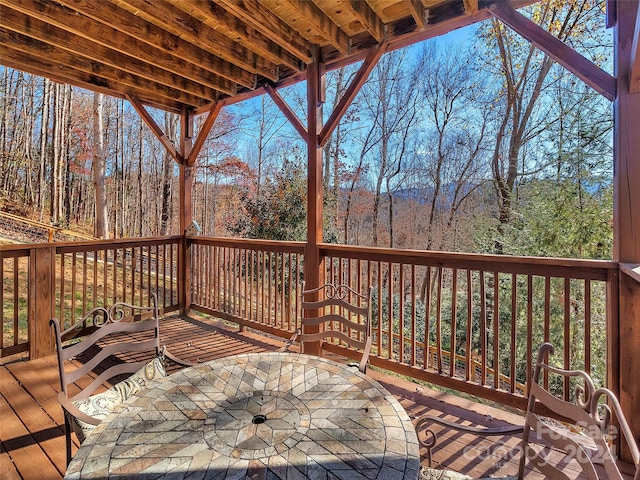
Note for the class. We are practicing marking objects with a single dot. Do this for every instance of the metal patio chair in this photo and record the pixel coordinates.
(108, 336)
(340, 313)
(590, 413)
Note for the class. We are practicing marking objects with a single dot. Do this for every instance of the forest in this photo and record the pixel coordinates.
(473, 142)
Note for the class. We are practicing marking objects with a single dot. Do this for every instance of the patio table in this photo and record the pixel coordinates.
(264, 415)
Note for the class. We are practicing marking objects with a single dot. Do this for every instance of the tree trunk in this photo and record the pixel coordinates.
(102, 227)
(167, 177)
(44, 135)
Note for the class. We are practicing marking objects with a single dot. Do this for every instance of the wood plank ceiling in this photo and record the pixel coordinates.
(173, 54)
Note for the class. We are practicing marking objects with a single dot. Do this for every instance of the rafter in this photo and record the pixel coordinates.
(264, 21)
(53, 35)
(583, 68)
(470, 7)
(218, 18)
(354, 87)
(321, 24)
(369, 19)
(286, 110)
(77, 32)
(58, 72)
(155, 128)
(198, 33)
(66, 62)
(418, 12)
(143, 31)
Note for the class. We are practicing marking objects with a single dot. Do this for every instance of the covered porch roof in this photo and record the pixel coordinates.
(190, 54)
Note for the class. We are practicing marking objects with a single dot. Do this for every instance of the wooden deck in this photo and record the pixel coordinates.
(31, 421)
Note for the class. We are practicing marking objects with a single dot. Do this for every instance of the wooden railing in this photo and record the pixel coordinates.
(250, 282)
(491, 311)
(14, 299)
(67, 280)
(468, 322)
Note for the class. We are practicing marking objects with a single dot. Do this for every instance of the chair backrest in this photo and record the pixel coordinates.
(121, 329)
(591, 411)
(341, 313)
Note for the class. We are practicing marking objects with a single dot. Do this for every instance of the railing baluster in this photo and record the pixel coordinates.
(141, 249)
(587, 326)
(74, 273)
(427, 317)
(262, 285)
(483, 331)
(567, 335)
(547, 320)
(529, 332)
(157, 269)
(62, 294)
(401, 312)
(514, 318)
(2, 303)
(414, 332)
(468, 358)
(454, 316)
(273, 289)
(496, 330)
(390, 311)
(439, 321)
(84, 283)
(16, 300)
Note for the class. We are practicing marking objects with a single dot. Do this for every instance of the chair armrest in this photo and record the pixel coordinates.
(165, 354)
(432, 438)
(290, 341)
(74, 411)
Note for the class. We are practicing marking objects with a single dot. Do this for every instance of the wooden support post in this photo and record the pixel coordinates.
(41, 295)
(626, 227)
(186, 214)
(314, 269)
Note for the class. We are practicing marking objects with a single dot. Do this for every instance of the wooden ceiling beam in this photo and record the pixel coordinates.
(218, 18)
(470, 7)
(418, 12)
(148, 33)
(177, 21)
(286, 110)
(57, 72)
(580, 66)
(155, 128)
(321, 24)
(51, 14)
(367, 17)
(264, 21)
(52, 35)
(69, 64)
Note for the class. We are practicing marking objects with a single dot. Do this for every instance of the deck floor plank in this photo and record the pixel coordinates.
(31, 422)
(40, 380)
(7, 468)
(24, 434)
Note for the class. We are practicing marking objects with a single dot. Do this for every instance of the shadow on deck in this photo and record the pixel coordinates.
(31, 421)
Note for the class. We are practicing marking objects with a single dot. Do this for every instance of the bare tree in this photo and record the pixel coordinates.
(170, 125)
(102, 220)
(390, 107)
(524, 71)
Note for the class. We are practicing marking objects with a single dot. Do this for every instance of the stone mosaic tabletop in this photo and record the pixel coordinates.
(255, 416)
